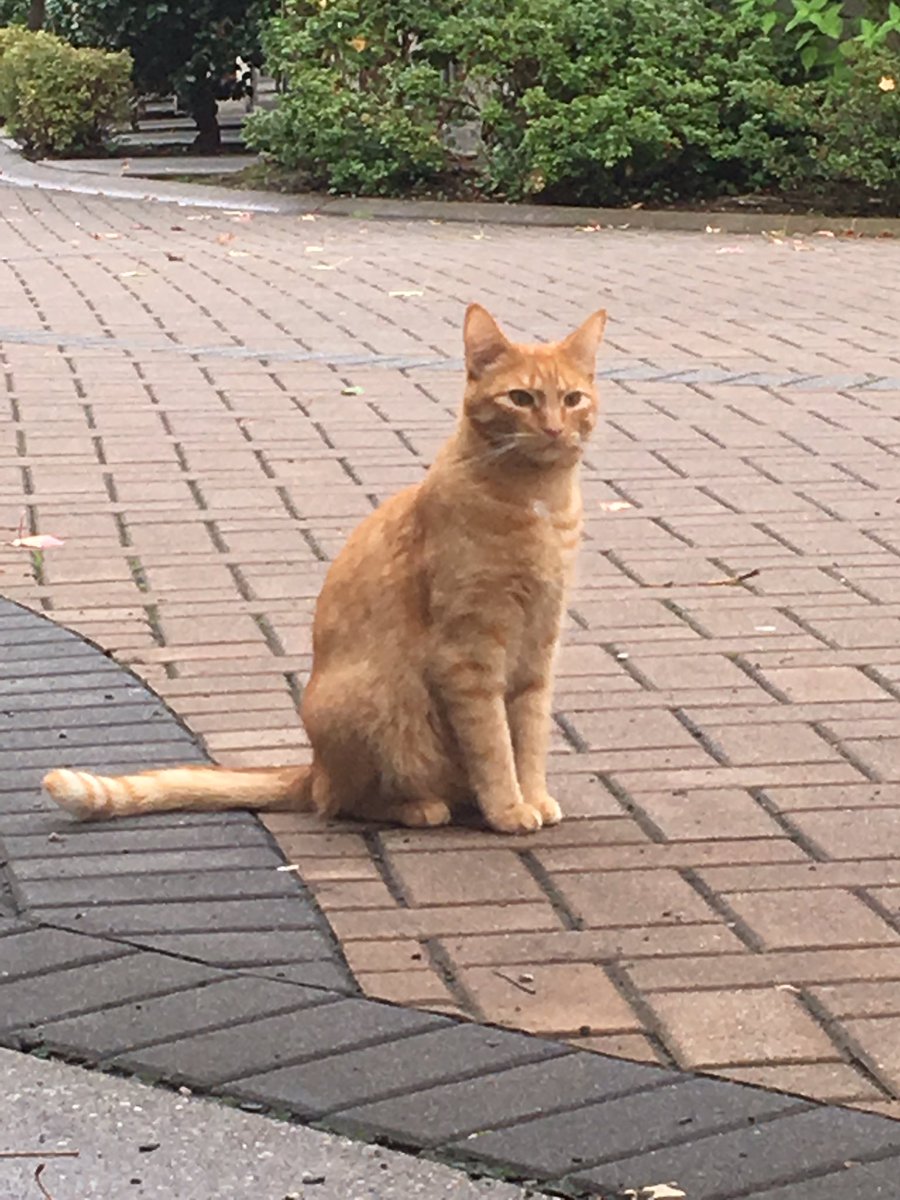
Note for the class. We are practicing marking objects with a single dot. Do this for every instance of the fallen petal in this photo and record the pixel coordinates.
(40, 541)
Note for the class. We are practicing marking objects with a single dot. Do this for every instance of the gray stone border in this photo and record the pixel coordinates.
(173, 949)
(625, 371)
(18, 171)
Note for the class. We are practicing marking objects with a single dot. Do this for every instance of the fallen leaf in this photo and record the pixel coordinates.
(358, 43)
(404, 295)
(351, 391)
(241, 216)
(130, 274)
(887, 83)
(224, 238)
(308, 217)
(614, 505)
(825, 233)
(38, 541)
(713, 229)
(588, 228)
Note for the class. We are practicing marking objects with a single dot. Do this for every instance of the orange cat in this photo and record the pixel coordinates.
(437, 626)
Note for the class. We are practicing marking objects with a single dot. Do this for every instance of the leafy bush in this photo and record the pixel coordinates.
(365, 104)
(586, 101)
(58, 100)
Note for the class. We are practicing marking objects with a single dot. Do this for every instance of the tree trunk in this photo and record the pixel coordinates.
(37, 14)
(205, 112)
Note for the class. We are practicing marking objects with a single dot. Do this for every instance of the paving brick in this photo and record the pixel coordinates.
(154, 1019)
(872, 833)
(873, 1180)
(879, 1040)
(715, 1028)
(245, 949)
(267, 1043)
(438, 1114)
(635, 1046)
(34, 951)
(552, 998)
(804, 685)
(750, 970)
(647, 898)
(725, 813)
(454, 877)
(341, 1081)
(796, 919)
(863, 999)
(550, 1146)
(757, 1156)
(833, 1081)
(39, 998)
(753, 744)
(186, 916)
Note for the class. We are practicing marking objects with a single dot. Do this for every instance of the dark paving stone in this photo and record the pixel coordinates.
(148, 888)
(214, 1058)
(135, 714)
(230, 914)
(442, 1114)
(340, 1081)
(859, 1181)
(147, 1022)
(79, 989)
(101, 676)
(40, 950)
(321, 974)
(552, 1146)
(27, 838)
(177, 747)
(729, 1164)
(156, 863)
(74, 739)
(245, 949)
(114, 693)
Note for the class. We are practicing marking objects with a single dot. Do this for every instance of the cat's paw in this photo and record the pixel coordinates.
(551, 813)
(424, 814)
(518, 818)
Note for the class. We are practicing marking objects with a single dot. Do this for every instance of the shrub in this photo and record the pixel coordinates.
(364, 106)
(599, 102)
(58, 100)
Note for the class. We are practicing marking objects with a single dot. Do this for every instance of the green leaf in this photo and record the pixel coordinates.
(809, 56)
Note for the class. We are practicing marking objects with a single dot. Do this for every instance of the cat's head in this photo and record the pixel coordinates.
(537, 403)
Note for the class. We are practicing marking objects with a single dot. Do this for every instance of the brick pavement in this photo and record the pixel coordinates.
(181, 407)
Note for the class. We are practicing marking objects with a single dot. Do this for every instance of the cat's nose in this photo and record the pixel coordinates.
(553, 431)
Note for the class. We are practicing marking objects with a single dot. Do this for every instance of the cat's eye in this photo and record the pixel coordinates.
(572, 399)
(521, 399)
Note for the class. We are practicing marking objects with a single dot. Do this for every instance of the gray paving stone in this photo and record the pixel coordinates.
(868, 1181)
(215, 1058)
(100, 676)
(27, 837)
(548, 1147)
(40, 950)
(114, 691)
(342, 1080)
(771, 1152)
(176, 747)
(225, 1001)
(136, 713)
(38, 998)
(320, 974)
(75, 738)
(187, 917)
(248, 949)
(155, 863)
(143, 888)
(440, 1114)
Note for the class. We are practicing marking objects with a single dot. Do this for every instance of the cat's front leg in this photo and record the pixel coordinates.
(471, 683)
(529, 725)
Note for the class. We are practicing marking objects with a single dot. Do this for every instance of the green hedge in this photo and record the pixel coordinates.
(586, 101)
(58, 100)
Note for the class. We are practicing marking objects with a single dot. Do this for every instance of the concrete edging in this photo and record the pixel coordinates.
(44, 175)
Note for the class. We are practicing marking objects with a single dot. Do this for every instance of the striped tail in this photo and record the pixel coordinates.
(191, 789)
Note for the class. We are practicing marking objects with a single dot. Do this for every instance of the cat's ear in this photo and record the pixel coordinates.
(484, 340)
(582, 345)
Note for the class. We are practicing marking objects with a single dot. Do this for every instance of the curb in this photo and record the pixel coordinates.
(44, 175)
(193, 962)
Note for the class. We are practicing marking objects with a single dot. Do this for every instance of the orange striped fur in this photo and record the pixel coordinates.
(437, 626)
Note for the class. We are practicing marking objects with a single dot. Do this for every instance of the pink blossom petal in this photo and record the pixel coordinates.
(40, 541)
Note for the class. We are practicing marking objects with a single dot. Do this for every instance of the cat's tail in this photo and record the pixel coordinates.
(191, 789)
